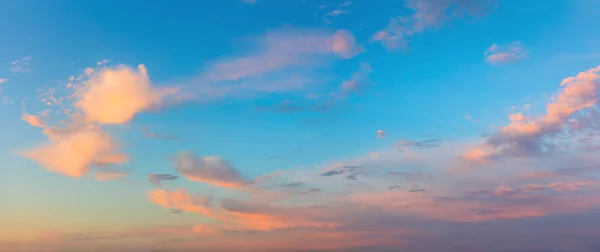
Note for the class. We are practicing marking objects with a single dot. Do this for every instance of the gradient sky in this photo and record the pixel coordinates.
(299, 125)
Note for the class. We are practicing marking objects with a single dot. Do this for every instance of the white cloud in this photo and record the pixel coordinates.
(22, 65)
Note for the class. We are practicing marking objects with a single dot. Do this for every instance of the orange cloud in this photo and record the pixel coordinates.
(114, 96)
(34, 121)
(181, 200)
(73, 152)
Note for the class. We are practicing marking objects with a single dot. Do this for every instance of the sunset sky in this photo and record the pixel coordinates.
(299, 125)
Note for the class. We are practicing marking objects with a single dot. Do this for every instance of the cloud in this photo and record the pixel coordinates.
(336, 13)
(281, 50)
(114, 96)
(157, 179)
(249, 1)
(263, 217)
(22, 65)
(428, 15)
(73, 151)
(110, 174)
(150, 134)
(212, 170)
(34, 121)
(496, 54)
(344, 44)
(358, 80)
(346, 3)
(181, 200)
(527, 136)
(427, 143)
(380, 134)
(2, 81)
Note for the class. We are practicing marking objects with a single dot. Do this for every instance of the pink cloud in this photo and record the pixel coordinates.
(428, 15)
(344, 44)
(578, 94)
(358, 79)
(497, 54)
(281, 50)
(34, 121)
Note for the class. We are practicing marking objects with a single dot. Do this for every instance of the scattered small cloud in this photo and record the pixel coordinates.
(2, 81)
(336, 13)
(249, 1)
(496, 54)
(22, 65)
(346, 3)
(380, 134)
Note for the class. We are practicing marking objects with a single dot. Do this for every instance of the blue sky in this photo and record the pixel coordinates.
(288, 87)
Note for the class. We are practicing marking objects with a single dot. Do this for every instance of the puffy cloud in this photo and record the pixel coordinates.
(496, 54)
(2, 81)
(212, 170)
(344, 44)
(73, 151)
(529, 136)
(34, 121)
(115, 95)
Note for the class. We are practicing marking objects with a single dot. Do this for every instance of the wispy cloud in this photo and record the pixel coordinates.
(22, 65)
(2, 81)
(358, 80)
(428, 15)
(282, 61)
(249, 1)
(496, 54)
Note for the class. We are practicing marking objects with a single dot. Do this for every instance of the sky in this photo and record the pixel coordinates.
(299, 125)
